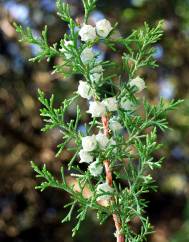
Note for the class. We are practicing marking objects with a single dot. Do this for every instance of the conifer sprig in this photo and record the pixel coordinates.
(119, 142)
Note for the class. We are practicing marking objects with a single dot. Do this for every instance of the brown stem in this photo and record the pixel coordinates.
(117, 222)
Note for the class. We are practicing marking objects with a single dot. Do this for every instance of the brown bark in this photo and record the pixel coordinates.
(117, 222)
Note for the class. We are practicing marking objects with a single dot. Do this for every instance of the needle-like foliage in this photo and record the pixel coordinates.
(127, 150)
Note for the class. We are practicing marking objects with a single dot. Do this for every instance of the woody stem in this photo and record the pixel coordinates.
(117, 222)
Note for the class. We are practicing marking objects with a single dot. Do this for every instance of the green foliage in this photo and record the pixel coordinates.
(156, 115)
(55, 118)
(63, 11)
(89, 6)
(132, 158)
(75, 196)
(142, 54)
(47, 52)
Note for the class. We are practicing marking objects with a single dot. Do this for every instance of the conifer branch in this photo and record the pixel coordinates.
(122, 151)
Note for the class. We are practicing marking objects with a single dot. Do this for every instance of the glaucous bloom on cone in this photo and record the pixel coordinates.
(111, 104)
(127, 105)
(97, 69)
(96, 109)
(103, 28)
(115, 125)
(138, 82)
(89, 143)
(112, 142)
(87, 55)
(104, 188)
(84, 90)
(67, 44)
(96, 74)
(85, 157)
(96, 77)
(102, 140)
(95, 168)
(87, 33)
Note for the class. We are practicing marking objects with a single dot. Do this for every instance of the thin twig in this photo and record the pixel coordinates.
(109, 180)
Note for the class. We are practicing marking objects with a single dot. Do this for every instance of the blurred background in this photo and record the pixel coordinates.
(27, 215)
